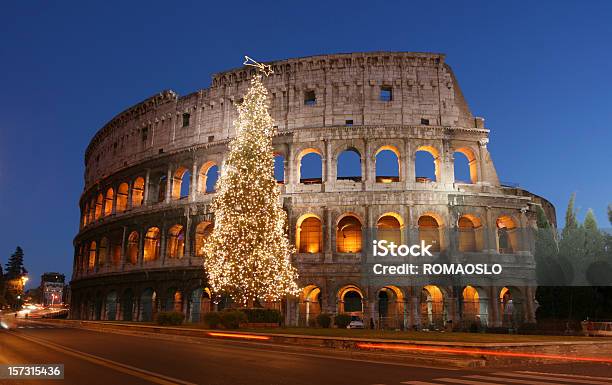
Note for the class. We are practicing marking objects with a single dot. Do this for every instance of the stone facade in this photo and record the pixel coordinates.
(141, 227)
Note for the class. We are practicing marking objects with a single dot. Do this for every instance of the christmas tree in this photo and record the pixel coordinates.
(247, 255)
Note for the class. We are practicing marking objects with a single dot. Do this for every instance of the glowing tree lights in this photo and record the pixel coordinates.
(247, 255)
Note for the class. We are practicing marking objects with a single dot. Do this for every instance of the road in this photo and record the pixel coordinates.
(91, 357)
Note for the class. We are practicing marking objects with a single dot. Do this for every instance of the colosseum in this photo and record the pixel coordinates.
(150, 175)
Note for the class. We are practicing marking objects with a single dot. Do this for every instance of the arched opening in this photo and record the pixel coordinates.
(209, 173)
(122, 197)
(99, 204)
(132, 248)
(466, 166)
(427, 164)
(507, 235)
(391, 314)
(310, 305)
(203, 230)
(429, 232)
(147, 305)
(176, 242)
(471, 306)
(199, 304)
(511, 307)
(110, 311)
(470, 233)
(387, 164)
(432, 307)
(279, 168)
(348, 166)
(151, 244)
(92, 255)
(138, 192)
(127, 305)
(181, 183)
(389, 228)
(351, 301)
(309, 234)
(161, 188)
(174, 301)
(311, 167)
(348, 235)
(108, 202)
(103, 252)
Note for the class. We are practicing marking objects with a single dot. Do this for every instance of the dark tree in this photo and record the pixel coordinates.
(14, 266)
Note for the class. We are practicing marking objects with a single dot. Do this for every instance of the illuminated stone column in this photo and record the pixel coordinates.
(168, 184)
(193, 183)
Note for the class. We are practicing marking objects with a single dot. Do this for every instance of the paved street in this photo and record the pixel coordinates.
(104, 358)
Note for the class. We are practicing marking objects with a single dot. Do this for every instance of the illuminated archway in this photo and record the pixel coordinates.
(181, 182)
(103, 252)
(203, 230)
(309, 234)
(429, 231)
(176, 242)
(138, 192)
(465, 166)
(350, 300)
(99, 204)
(208, 176)
(389, 228)
(122, 197)
(388, 166)
(310, 170)
(348, 165)
(151, 244)
(310, 305)
(132, 249)
(391, 308)
(108, 202)
(470, 233)
(427, 164)
(432, 307)
(507, 235)
(348, 235)
(92, 255)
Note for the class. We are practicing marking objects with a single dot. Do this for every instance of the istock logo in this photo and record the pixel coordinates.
(384, 248)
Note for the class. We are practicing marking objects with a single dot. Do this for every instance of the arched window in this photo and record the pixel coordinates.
(203, 230)
(103, 252)
(352, 301)
(161, 188)
(466, 166)
(507, 236)
(432, 307)
(348, 235)
(209, 173)
(389, 229)
(176, 242)
(92, 211)
(108, 202)
(427, 164)
(279, 168)
(429, 232)
(132, 249)
(348, 166)
(99, 204)
(122, 197)
(138, 192)
(180, 183)
(152, 244)
(309, 235)
(311, 166)
(116, 255)
(92, 255)
(387, 165)
(467, 227)
(471, 304)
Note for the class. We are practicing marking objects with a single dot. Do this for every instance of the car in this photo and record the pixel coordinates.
(356, 323)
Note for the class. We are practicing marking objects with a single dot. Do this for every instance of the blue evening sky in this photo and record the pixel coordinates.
(539, 72)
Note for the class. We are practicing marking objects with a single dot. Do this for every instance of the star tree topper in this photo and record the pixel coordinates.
(266, 69)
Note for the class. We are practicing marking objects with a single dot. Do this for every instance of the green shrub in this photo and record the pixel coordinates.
(342, 320)
(324, 320)
(261, 315)
(169, 318)
(212, 319)
(231, 319)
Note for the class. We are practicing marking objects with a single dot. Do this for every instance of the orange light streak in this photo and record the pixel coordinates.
(479, 351)
(243, 336)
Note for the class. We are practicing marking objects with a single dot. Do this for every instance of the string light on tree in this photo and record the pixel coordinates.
(247, 255)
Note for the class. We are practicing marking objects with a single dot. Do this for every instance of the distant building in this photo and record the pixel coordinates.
(52, 288)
